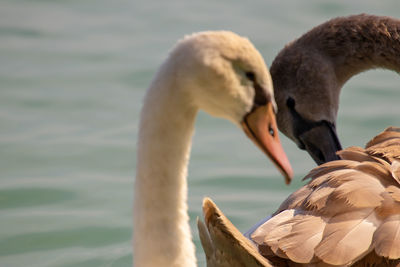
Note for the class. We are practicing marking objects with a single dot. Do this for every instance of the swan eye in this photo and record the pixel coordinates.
(271, 131)
(251, 76)
(260, 97)
(290, 103)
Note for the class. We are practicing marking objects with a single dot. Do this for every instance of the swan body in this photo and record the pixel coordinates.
(223, 74)
(308, 75)
(347, 215)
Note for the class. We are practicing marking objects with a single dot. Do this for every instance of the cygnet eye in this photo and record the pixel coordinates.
(290, 103)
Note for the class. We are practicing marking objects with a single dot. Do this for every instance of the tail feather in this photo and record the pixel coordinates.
(223, 244)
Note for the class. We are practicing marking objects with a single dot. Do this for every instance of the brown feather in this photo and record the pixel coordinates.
(347, 237)
(389, 206)
(380, 171)
(355, 155)
(387, 134)
(359, 194)
(305, 235)
(387, 236)
(318, 198)
(294, 200)
(270, 232)
(394, 192)
(329, 167)
(395, 168)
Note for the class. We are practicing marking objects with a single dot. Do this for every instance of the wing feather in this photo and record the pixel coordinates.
(295, 200)
(355, 155)
(318, 198)
(387, 134)
(329, 167)
(387, 238)
(362, 192)
(305, 235)
(271, 231)
(395, 170)
(347, 237)
(224, 244)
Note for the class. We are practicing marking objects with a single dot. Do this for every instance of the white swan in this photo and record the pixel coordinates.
(308, 75)
(224, 75)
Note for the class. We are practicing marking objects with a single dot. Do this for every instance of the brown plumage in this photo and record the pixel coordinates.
(309, 73)
(347, 215)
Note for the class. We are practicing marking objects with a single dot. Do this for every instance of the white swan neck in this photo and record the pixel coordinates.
(162, 235)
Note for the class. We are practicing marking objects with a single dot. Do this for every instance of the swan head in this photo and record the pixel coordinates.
(307, 95)
(224, 75)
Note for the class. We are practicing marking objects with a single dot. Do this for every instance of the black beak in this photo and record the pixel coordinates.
(321, 142)
(319, 138)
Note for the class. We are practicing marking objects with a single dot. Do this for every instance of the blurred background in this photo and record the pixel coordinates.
(72, 78)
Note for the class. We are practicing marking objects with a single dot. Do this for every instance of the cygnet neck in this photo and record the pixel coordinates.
(357, 43)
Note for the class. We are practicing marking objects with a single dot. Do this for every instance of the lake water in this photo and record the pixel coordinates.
(72, 78)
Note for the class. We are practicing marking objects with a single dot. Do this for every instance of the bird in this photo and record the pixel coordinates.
(309, 73)
(348, 214)
(223, 74)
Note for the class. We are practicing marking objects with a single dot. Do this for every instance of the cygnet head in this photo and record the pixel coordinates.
(224, 75)
(307, 94)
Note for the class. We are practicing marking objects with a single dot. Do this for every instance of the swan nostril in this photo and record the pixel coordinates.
(271, 131)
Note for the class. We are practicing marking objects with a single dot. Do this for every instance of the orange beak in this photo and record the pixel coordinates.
(260, 126)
